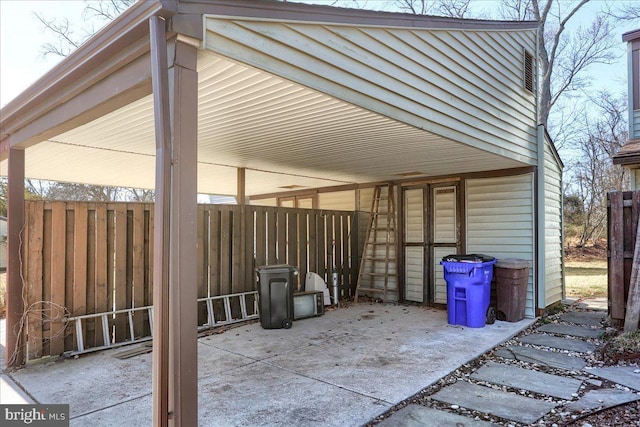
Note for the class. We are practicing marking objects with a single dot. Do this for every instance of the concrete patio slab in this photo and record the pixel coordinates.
(588, 318)
(527, 379)
(344, 368)
(562, 343)
(542, 357)
(574, 331)
(496, 402)
(602, 399)
(628, 376)
(421, 416)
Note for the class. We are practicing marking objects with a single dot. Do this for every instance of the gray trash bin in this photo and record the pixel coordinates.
(275, 293)
(511, 277)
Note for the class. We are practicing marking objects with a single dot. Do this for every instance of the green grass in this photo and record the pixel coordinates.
(586, 279)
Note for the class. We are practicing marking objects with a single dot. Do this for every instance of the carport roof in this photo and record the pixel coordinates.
(90, 119)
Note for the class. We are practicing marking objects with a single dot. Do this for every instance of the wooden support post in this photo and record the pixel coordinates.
(632, 315)
(14, 352)
(175, 90)
(241, 196)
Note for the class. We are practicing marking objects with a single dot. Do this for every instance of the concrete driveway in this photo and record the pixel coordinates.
(341, 369)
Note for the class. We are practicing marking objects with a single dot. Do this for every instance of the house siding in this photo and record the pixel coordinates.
(338, 200)
(500, 216)
(553, 280)
(636, 124)
(462, 85)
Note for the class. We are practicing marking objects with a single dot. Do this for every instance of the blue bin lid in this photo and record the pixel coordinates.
(468, 258)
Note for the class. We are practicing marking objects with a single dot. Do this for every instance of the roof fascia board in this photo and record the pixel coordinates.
(554, 150)
(120, 42)
(128, 84)
(285, 11)
(627, 160)
(631, 35)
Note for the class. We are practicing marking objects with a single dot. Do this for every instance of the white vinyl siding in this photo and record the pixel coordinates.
(500, 221)
(339, 200)
(636, 124)
(461, 85)
(414, 255)
(440, 285)
(265, 202)
(553, 283)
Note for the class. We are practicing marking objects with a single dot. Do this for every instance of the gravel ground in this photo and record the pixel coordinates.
(623, 415)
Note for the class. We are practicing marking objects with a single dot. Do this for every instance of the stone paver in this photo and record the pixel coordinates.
(625, 375)
(588, 318)
(542, 357)
(562, 343)
(527, 379)
(496, 402)
(601, 399)
(574, 331)
(422, 416)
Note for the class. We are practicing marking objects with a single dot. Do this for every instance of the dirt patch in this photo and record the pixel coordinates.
(595, 252)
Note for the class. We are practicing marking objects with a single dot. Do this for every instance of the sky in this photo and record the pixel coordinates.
(22, 35)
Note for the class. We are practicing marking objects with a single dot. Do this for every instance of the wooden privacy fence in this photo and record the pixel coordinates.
(623, 212)
(88, 258)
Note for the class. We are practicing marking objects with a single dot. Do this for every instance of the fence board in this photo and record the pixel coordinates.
(80, 261)
(272, 236)
(34, 249)
(281, 256)
(321, 263)
(89, 330)
(261, 236)
(225, 252)
(138, 268)
(624, 210)
(249, 249)
(58, 264)
(236, 273)
(203, 255)
(303, 243)
(214, 253)
(120, 297)
(312, 219)
(69, 335)
(94, 257)
(102, 290)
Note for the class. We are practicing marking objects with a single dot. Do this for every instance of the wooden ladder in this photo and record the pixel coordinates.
(378, 262)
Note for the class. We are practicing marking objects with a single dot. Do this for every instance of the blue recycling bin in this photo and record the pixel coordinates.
(468, 280)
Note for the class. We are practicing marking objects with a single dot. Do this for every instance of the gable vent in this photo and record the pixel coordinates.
(528, 71)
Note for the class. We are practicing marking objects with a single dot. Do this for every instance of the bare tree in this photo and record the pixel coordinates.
(625, 11)
(563, 56)
(593, 171)
(66, 38)
(53, 190)
(450, 8)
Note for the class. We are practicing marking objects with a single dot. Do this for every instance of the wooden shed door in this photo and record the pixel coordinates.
(431, 230)
(445, 236)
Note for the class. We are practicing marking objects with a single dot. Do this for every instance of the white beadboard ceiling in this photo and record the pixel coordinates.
(282, 132)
